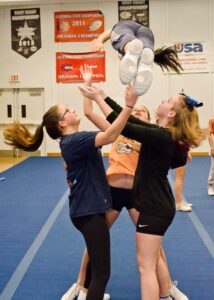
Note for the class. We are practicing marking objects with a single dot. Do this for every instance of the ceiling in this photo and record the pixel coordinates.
(32, 2)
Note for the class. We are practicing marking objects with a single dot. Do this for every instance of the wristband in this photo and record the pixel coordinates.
(130, 106)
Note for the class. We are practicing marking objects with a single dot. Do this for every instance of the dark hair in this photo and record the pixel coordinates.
(18, 136)
(167, 58)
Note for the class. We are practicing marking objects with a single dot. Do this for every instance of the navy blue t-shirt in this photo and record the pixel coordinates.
(89, 192)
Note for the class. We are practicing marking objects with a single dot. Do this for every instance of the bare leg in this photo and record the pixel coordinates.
(163, 276)
(83, 266)
(179, 180)
(111, 217)
(148, 247)
(134, 214)
(163, 256)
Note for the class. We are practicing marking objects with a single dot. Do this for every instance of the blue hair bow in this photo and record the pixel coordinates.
(191, 102)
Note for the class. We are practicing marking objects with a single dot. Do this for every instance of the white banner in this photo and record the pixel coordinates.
(194, 57)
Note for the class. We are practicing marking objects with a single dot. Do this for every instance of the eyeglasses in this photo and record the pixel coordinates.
(63, 115)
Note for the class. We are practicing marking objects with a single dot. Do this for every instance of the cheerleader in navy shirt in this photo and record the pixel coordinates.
(89, 197)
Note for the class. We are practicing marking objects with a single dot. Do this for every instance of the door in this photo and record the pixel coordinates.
(24, 105)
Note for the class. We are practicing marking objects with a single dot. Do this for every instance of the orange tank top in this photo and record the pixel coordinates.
(123, 156)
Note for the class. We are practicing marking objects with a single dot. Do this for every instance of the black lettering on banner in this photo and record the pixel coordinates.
(137, 11)
(25, 31)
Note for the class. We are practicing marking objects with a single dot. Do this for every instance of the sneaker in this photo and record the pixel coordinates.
(73, 292)
(183, 207)
(187, 203)
(143, 78)
(82, 296)
(210, 190)
(176, 293)
(128, 65)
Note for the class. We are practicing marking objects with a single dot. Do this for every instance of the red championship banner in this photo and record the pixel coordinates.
(78, 26)
(68, 66)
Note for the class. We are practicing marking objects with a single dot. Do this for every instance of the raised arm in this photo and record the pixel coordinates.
(117, 109)
(95, 118)
(97, 44)
(96, 94)
(109, 107)
(114, 130)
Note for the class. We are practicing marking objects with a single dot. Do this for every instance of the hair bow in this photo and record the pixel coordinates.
(191, 102)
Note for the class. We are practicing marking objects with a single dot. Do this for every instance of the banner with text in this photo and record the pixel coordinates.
(26, 31)
(78, 26)
(193, 56)
(68, 66)
(137, 10)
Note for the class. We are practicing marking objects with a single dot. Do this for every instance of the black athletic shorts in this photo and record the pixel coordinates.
(121, 198)
(153, 225)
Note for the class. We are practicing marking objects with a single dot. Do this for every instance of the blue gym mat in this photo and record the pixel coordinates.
(40, 250)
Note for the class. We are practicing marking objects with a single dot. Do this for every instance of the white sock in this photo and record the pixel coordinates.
(82, 295)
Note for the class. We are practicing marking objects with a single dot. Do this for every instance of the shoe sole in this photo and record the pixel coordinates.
(142, 82)
(71, 295)
(184, 210)
(128, 68)
(143, 79)
(147, 56)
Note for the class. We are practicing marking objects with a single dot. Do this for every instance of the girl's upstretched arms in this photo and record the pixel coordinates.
(99, 121)
(109, 106)
(114, 130)
(95, 118)
(95, 94)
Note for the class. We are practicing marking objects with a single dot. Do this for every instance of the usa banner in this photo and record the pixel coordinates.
(26, 31)
(68, 66)
(193, 56)
(78, 26)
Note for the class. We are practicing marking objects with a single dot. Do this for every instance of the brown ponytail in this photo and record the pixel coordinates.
(167, 58)
(185, 127)
(18, 136)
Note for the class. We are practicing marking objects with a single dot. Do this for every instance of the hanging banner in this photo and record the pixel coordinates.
(134, 10)
(26, 31)
(68, 66)
(193, 56)
(78, 26)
